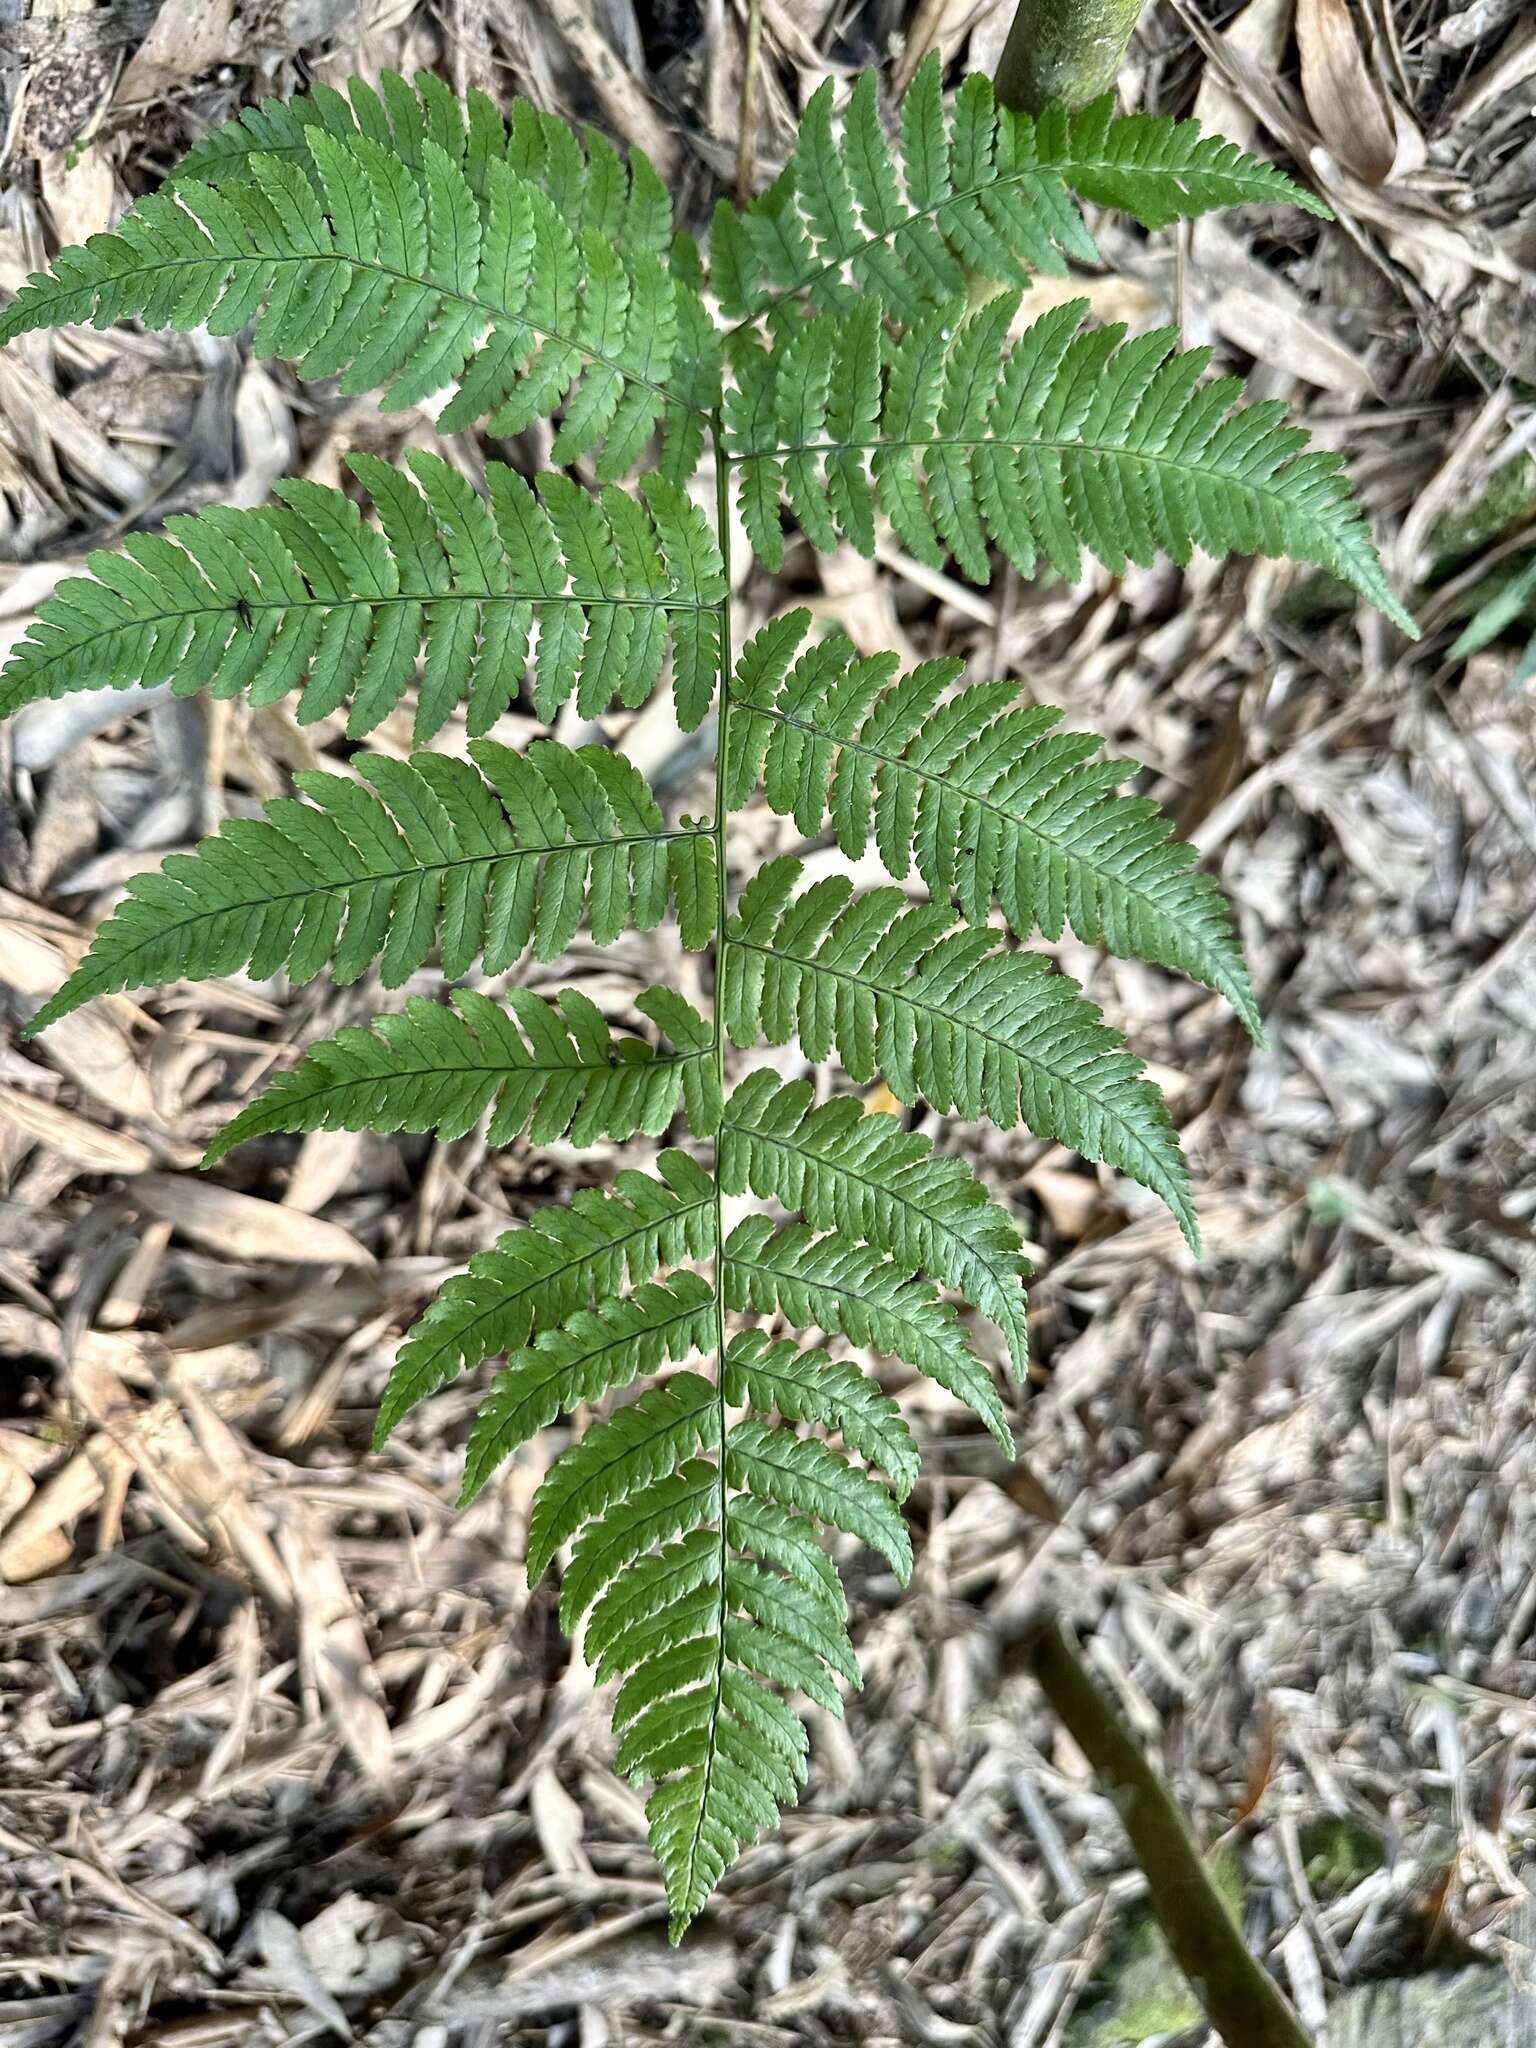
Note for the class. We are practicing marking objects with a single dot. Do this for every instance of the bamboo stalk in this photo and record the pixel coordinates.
(1068, 50)
(1239, 1998)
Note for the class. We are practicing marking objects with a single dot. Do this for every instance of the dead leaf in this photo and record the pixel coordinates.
(1256, 37)
(1072, 1201)
(30, 963)
(72, 1137)
(188, 38)
(94, 1050)
(78, 186)
(243, 1227)
(334, 1643)
(322, 1169)
(558, 1823)
(1343, 97)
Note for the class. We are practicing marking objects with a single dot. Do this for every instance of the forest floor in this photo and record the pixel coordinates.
(288, 1751)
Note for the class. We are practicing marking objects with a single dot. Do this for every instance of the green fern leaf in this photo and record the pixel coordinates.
(981, 796)
(396, 240)
(405, 272)
(844, 1288)
(945, 1017)
(808, 1476)
(980, 189)
(809, 1386)
(587, 181)
(1060, 443)
(311, 597)
(563, 1259)
(593, 1350)
(552, 1069)
(1513, 601)
(873, 1181)
(621, 1457)
(482, 865)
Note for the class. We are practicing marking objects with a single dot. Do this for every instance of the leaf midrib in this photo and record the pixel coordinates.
(864, 1180)
(951, 1023)
(936, 779)
(505, 1072)
(842, 1289)
(231, 608)
(1037, 443)
(498, 316)
(393, 875)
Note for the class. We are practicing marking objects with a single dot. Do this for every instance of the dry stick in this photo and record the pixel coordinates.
(746, 142)
(1066, 50)
(1239, 1998)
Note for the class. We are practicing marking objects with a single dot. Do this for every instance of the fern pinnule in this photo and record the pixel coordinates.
(980, 796)
(398, 275)
(1062, 442)
(811, 1386)
(563, 1258)
(864, 1176)
(432, 853)
(311, 597)
(982, 190)
(845, 1288)
(588, 1353)
(943, 1016)
(550, 1069)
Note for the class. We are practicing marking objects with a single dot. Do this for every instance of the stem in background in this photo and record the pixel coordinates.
(1239, 1998)
(1069, 50)
(746, 141)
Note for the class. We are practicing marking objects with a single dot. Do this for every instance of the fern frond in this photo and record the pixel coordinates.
(865, 1176)
(309, 596)
(623, 1456)
(430, 854)
(842, 1287)
(810, 1386)
(592, 1350)
(397, 240)
(979, 795)
(552, 1069)
(980, 188)
(407, 274)
(561, 1260)
(945, 1017)
(1064, 441)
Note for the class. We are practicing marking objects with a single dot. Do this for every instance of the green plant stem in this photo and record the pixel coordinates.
(722, 912)
(1238, 1997)
(1068, 50)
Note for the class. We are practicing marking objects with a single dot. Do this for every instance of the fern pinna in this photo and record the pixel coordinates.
(854, 348)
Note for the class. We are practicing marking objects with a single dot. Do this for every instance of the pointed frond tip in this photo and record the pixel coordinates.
(1064, 441)
(308, 596)
(977, 188)
(981, 796)
(480, 862)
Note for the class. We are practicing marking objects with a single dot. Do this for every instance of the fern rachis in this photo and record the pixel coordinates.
(406, 245)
